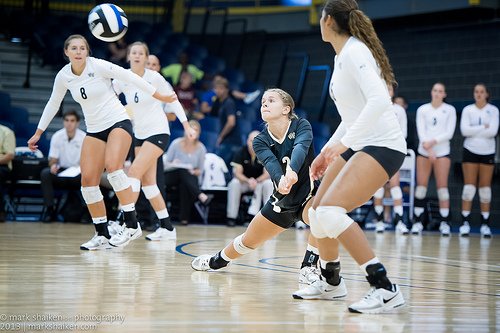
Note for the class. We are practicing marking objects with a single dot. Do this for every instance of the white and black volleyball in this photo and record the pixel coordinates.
(108, 22)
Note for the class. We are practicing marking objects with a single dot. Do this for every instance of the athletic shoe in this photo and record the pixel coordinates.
(485, 231)
(445, 229)
(308, 275)
(96, 243)
(300, 225)
(114, 227)
(162, 234)
(320, 289)
(417, 228)
(125, 235)
(379, 300)
(464, 229)
(250, 97)
(201, 263)
(402, 229)
(380, 227)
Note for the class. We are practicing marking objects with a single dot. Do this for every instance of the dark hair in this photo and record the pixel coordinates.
(71, 112)
(352, 21)
(485, 88)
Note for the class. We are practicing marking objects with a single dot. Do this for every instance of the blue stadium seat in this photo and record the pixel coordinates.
(321, 129)
(318, 143)
(210, 124)
(301, 113)
(209, 139)
(20, 117)
(195, 51)
(176, 133)
(176, 125)
(245, 127)
(213, 65)
(7, 124)
(4, 106)
(234, 76)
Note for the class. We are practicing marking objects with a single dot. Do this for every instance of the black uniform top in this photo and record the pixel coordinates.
(252, 168)
(296, 150)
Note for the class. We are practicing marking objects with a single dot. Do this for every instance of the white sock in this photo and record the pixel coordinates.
(312, 249)
(398, 210)
(379, 209)
(418, 211)
(485, 215)
(162, 214)
(322, 263)
(129, 207)
(465, 213)
(99, 220)
(368, 263)
(444, 212)
(224, 256)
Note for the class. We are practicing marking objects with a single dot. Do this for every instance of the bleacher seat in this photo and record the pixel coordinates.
(321, 129)
(210, 124)
(245, 127)
(4, 106)
(318, 143)
(209, 139)
(213, 65)
(301, 113)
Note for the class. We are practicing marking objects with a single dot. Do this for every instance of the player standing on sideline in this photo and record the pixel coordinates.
(109, 131)
(479, 126)
(394, 183)
(365, 151)
(285, 149)
(152, 136)
(436, 123)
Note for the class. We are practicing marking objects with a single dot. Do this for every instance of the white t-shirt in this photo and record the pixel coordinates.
(214, 171)
(66, 151)
(479, 139)
(402, 119)
(438, 124)
(93, 91)
(363, 101)
(148, 115)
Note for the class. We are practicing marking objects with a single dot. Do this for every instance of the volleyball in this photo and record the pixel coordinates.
(108, 22)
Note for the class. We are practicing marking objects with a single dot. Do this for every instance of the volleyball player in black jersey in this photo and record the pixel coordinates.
(285, 149)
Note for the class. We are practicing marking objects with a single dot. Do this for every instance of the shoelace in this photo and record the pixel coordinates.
(370, 293)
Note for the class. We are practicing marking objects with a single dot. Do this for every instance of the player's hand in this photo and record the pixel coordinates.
(252, 183)
(429, 144)
(191, 133)
(283, 186)
(32, 142)
(318, 167)
(432, 155)
(54, 168)
(291, 177)
(332, 151)
(165, 98)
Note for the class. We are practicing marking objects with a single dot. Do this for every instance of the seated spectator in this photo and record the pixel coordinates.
(249, 175)
(186, 95)
(209, 105)
(229, 140)
(173, 72)
(65, 148)
(184, 162)
(118, 52)
(7, 153)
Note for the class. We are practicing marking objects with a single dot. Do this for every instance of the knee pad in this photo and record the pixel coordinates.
(118, 180)
(443, 194)
(91, 194)
(240, 247)
(135, 184)
(485, 194)
(334, 220)
(420, 192)
(396, 193)
(150, 191)
(468, 192)
(316, 228)
(379, 194)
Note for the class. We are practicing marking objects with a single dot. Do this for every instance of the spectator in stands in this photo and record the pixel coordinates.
(209, 104)
(184, 162)
(7, 153)
(436, 123)
(394, 185)
(153, 64)
(65, 148)
(118, 52)
(187, 95)
(401, 101)
(173, 72)
(249, 176)
(229, 140)
(479, 126)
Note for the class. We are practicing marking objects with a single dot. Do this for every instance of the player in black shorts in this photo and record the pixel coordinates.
(285, 149)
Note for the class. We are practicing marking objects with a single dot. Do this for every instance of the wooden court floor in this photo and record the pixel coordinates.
(48, 284)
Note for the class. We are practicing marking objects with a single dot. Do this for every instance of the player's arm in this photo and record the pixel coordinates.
(301, 145)
(267, 158)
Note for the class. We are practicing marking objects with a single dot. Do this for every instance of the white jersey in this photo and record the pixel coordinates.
(479, 139)
(148, 115)
(214, 171)
(402, 119)
(436, 124)
(93, 91)
(67, 152)
(363, 101)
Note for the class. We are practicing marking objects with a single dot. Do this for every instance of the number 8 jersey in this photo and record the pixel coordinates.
(92, 89)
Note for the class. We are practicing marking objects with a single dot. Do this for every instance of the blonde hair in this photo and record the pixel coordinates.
(196, 125)
(354, 22)
(286, 99)
(144, 45)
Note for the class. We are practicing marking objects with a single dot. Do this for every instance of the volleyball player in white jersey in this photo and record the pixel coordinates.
(109, 131)
(479, 126)
(152, 135)
(394, 184)
(436, 123)
(365, 151)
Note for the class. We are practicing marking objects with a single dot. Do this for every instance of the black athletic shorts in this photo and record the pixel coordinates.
(391, 160)
(286, 218)
(444, 156)
(103, 135)
(159, 140)
(470, 157)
